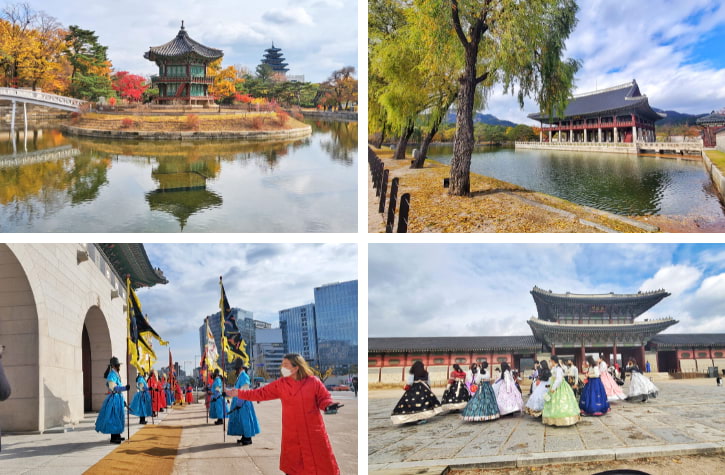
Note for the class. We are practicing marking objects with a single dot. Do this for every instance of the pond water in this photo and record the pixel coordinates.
(55, 183)
(622, 184)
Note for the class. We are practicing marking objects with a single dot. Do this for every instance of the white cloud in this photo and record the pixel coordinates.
(288, 16)
(676, 279)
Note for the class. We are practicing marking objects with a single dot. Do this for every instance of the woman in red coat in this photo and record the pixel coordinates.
(306, 448)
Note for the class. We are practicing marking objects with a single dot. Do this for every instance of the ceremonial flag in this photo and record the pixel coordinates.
(211, 355)
(139, 333)
(232, 342)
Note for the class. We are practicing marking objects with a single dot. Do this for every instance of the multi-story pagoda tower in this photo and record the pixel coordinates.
(600, 323)
(182, 66)
(274, 58)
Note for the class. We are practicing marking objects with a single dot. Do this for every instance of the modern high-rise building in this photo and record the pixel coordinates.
(298, 331)
(336, 325)
(245, 322)
(268, 351)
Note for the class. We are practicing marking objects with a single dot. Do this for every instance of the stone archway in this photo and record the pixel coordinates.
(96, 352)
(19, 334)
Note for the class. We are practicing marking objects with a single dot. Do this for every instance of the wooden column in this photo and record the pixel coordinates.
(553, 350)
(380, 371)
(582, 357)
(641, 358)
(614, 351)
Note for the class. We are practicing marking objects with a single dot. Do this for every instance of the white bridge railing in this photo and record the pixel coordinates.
(40, 98)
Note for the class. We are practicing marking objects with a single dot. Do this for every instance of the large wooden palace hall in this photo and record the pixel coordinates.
(617, 114)
(568, 325)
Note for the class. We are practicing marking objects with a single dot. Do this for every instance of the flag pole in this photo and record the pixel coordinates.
(128, 370)
(224, 360)
(151, 392)
(207, 396)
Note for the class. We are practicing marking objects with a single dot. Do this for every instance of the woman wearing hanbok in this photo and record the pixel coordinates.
(141, 403)
(471, 375)
(482, 406)
(560, 406)
(593, 400)
(418, 404)
(614, 392)
(497, 380)
(509, 397)
(242, 419)
(640, 387)
(456, 395)
(111, 418)
(535, 404)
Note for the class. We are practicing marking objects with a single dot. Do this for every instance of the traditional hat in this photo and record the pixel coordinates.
(115, 362)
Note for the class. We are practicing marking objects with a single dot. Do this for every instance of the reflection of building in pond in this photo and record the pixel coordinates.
(183, 66)
(183, 203)
(62, 318)
(568, 325)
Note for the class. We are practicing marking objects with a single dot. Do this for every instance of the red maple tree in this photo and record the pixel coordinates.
(129, 86)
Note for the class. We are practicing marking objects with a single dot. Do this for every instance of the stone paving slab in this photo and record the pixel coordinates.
(202, 448)
(683, 420)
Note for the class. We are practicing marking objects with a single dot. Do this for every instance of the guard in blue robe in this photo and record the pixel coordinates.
(111, 418)
(217, 406)
(141, 403)
(242, 419)
(169, 394)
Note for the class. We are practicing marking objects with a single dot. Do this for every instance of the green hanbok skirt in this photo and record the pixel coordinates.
(561, 409)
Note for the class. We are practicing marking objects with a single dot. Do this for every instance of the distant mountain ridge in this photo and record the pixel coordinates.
(677, 118)
(482, 118)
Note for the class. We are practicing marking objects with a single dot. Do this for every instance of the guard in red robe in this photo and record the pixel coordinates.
(162, 393)
(306, 449)
(178, 394)
(189, 394)
(153, 384)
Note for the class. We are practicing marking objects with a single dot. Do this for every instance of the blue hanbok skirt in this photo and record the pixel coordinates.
(217, 408)
(111, 418)
(243, 421)
(593, 401)
(141, 404)
(482, 406)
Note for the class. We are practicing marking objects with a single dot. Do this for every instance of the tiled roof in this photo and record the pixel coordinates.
(677, 340)
(712, 119)
(622, 97)
(182, 45)
(453, 343)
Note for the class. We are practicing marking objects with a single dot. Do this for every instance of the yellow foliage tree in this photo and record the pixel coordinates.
(224, 85)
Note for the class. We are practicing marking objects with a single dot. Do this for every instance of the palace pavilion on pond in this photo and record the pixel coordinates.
(617, 114)
(568, 325)
(183, 65)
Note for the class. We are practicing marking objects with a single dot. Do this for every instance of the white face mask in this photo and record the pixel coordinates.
(286, 372)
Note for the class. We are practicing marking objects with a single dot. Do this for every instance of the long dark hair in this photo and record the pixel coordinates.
(457, 368)
(544, 372)
(473, 368)
(418, 370)
(484, 365)
(590, 361)
(504, 367)
(555, 359)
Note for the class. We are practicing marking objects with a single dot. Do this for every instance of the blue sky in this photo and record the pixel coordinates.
(483, 289)
(316, 36)
(674, 49)
(262, 278)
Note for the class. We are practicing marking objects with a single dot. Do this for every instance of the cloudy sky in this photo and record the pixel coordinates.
(262, 278)
(483, 289)
(316, 36)
(674, 49)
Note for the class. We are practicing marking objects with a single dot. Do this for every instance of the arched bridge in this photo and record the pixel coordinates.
(40, 99)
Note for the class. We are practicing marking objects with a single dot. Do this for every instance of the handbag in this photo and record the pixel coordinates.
(474, 388)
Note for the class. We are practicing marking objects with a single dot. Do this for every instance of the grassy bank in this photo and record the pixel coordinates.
(189, 122)
(717, 158)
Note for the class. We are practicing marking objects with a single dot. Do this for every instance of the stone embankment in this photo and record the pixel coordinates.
(248, 135)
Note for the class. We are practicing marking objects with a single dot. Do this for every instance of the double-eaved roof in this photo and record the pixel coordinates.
(625, 97)
(182, 45)
(689, 340)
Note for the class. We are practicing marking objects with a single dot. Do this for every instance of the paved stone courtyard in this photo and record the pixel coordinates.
(686, 418)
